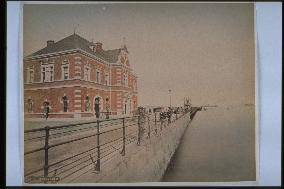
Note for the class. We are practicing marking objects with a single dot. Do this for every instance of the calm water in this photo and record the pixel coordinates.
(218, 145)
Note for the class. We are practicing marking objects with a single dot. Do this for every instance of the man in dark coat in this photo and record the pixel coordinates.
(65, 103)
(97, 107)
(46, 108)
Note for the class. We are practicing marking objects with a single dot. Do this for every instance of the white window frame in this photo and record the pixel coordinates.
(123, 79)
(48, 69)
(87, 75)
(98, 76)
(30, 77)
(107, 79)
(126, 79)
(63, 65)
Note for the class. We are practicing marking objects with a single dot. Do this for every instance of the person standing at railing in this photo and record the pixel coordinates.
(46, 109)
(97, 107)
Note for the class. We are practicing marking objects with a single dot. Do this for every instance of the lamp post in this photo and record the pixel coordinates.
(170, 97)
(126, 98)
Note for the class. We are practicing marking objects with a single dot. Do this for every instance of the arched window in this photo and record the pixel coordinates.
(87, 104)
(65, 103)
(46, 106)
(125, 79)
(30, 74)
(87, 72)
(30, 104)
(107, 79)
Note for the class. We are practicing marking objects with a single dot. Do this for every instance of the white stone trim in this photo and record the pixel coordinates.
(77, 90)
(45, 66)
(78, 63)
(62, 70)
(78, 58)
(78, 96)
(76, 100)
(88, 86)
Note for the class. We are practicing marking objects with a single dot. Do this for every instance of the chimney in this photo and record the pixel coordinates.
(98, 47)
(49, 43)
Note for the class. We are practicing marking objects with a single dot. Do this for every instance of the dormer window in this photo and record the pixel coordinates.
(92, 46)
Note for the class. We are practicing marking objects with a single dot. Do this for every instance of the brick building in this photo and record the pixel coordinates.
(71, 75)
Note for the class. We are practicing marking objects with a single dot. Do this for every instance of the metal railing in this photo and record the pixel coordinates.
(48, 149)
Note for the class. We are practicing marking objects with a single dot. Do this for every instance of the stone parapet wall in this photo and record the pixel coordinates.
(145, 163)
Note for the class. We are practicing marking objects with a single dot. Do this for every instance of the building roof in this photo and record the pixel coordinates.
(75, 41)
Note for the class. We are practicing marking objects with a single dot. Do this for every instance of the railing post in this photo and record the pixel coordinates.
(155, 118)
(98, 163)
(46, 151)
(176, 115)
(161, 122)
(139, 130)
(123, 132)
(149, 127)
(156, 122)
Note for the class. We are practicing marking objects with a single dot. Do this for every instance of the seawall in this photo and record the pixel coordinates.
(145, 163)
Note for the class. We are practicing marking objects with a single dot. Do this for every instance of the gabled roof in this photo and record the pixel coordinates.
(75, 41)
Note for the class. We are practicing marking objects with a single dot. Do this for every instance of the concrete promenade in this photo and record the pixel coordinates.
(111, 141)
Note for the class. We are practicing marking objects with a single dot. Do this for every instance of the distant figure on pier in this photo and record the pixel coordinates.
(169, 115)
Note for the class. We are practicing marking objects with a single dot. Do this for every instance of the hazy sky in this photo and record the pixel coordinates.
(204, 51)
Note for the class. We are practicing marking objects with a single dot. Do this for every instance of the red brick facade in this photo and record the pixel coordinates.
(78, 74)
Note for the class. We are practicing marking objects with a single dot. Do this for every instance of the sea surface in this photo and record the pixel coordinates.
(218, 145)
